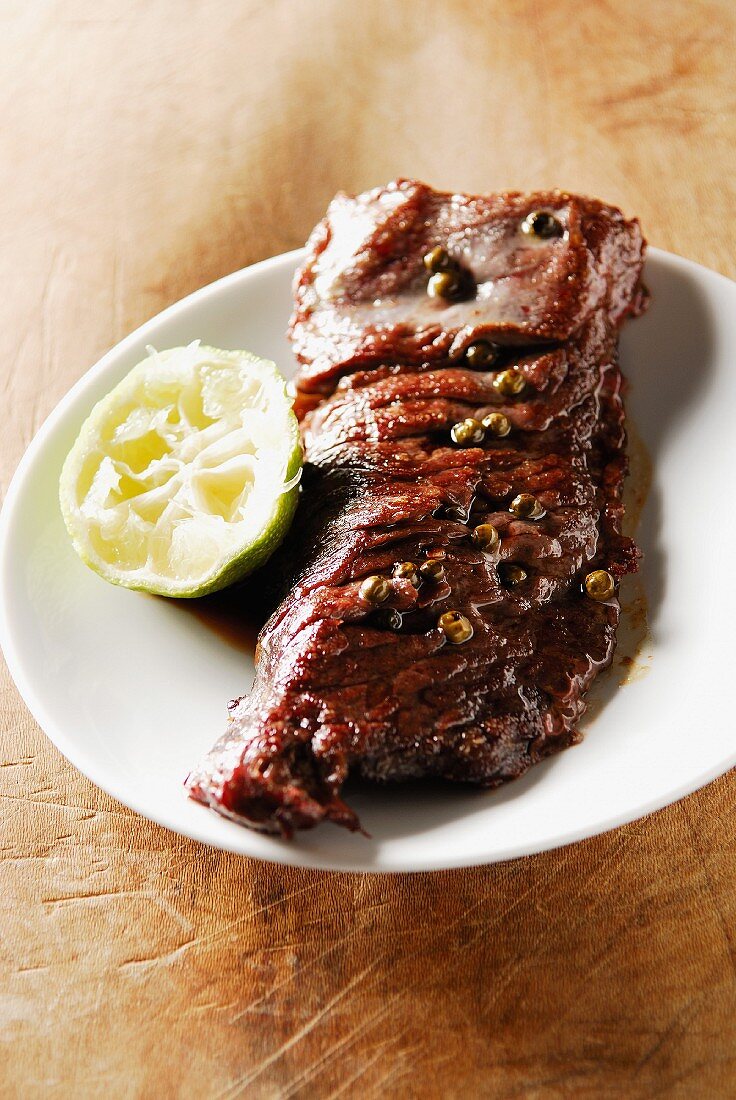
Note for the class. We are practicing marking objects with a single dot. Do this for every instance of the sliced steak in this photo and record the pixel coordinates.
(344, 685)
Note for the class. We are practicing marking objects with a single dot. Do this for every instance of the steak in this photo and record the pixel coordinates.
(475, 666)
(361, 296)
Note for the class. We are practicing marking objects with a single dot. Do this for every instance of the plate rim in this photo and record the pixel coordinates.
(289, 853)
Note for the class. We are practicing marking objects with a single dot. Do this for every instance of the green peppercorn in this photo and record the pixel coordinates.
(497, 425)
(600, 585)
(509, 383)
(387, 618)
(486, 537)
(455, 513)
(525, 506)
(542, 224)
(406, 571)
(456, 627)
(481, 355)
(511, 574)
(468, 432)
(445, 284)
(439, 259)
(432, 570)
(375, 589)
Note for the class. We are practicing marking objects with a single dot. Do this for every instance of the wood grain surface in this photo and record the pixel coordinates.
(148, 147)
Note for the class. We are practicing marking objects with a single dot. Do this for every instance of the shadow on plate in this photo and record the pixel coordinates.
(394, 810)
(667, 357)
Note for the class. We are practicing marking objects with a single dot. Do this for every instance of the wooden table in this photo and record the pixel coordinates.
(149, 147)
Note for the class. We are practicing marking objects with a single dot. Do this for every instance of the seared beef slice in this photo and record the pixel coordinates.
(343, 684)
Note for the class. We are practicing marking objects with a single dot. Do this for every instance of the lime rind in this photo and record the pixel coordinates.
(184, 478)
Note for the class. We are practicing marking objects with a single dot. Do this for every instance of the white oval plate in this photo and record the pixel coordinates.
(132, 688)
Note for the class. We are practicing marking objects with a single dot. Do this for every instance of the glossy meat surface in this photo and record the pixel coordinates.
(361, 294)
(338, 687)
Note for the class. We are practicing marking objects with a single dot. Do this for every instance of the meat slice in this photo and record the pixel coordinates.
(361, 296)
(343, 685)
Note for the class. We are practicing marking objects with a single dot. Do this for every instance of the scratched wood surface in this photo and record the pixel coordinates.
(146, 148)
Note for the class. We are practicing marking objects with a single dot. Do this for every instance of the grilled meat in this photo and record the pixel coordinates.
(474, 667)
(361, 296)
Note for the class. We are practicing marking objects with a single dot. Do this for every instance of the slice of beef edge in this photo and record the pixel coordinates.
(339, 689)
(361, 294)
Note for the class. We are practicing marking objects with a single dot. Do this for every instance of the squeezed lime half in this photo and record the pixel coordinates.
(184, 478)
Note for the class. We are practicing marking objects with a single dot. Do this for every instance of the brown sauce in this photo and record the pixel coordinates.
(230, 615)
